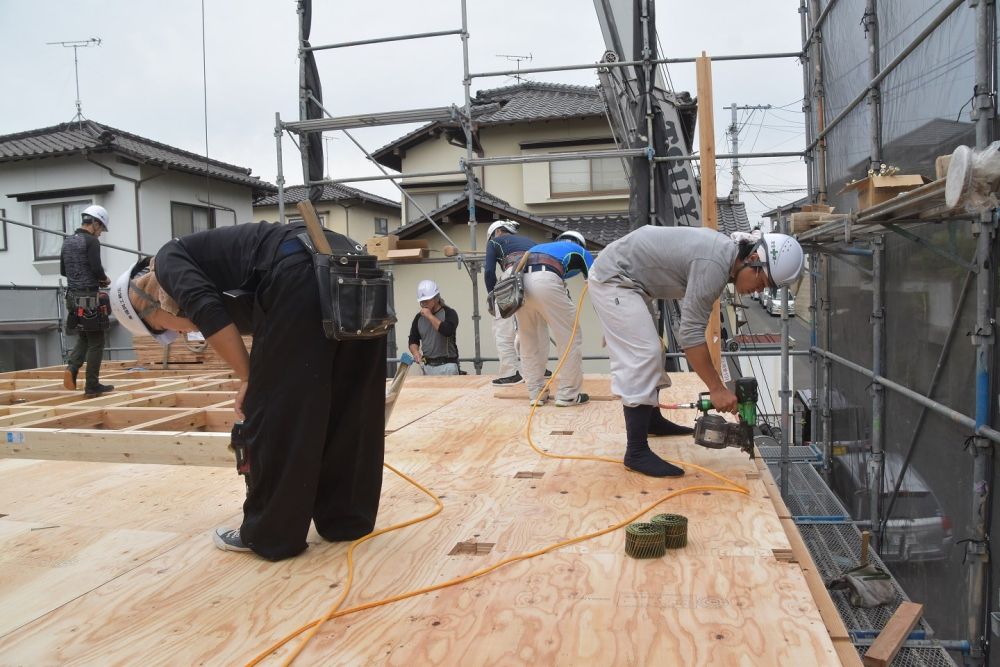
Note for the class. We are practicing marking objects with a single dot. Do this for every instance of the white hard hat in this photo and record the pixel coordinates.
(782, 258)
(97, 212)
(575, 237)
(427, 289)
(125, 312)
(509, 225)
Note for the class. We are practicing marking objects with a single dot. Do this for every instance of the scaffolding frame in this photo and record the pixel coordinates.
(463, 116)
(870, 228)
(826, 243)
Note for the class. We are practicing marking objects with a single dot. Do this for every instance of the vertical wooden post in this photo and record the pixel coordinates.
(709, 211)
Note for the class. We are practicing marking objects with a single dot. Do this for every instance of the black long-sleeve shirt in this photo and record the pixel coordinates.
(195, 270)
(80, 261)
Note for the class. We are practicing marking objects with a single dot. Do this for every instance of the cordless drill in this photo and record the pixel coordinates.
(714, 432)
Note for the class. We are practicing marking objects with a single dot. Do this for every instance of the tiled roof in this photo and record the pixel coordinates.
(732, 216)
(599, 229)
(331, 192)
(521, 103)
(91, 137)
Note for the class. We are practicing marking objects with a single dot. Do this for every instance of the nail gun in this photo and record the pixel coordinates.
(714, 432)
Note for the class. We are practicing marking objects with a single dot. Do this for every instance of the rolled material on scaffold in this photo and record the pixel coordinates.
(644, 540)
(675, 529)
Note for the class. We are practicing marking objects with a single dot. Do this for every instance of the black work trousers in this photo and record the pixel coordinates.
(89, 348)
(315, 421)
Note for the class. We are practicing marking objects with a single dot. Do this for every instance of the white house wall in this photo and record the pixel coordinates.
(357, 222)
(456, 289)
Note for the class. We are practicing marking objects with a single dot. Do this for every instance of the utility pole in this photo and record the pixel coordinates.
(77, 44)
(734, 140)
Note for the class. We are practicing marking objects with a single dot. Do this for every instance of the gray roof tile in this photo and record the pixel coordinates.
(92, 137)
(521, 103)
(331, 192)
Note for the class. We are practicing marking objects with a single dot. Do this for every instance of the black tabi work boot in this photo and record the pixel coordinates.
(638, 456)
(660, 425)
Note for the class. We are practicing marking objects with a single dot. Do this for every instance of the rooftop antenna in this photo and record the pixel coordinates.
(518, 59)
(77, 44)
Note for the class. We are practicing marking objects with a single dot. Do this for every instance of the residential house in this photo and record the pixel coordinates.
(352, 212)
(153, 192)
(546, 198)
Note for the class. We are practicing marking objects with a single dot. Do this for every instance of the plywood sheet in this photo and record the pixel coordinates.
(166, 596)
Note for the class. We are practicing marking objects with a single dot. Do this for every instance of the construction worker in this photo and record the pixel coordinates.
(504, 247)
(548, 307)
(432, 334)
(80, 263)
(313, 409)
(692, 265)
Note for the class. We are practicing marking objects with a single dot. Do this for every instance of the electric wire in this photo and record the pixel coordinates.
(313, 627)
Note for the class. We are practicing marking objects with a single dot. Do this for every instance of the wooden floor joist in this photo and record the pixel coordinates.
(111, 563)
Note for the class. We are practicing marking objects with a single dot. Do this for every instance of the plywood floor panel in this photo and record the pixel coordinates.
(159, 593)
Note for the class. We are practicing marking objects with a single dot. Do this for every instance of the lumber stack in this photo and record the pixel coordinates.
(149, 353)
(812, 215)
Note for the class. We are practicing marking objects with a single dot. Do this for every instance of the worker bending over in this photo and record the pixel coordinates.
(504, 247)
(313, 409)
(432, 334)
(692, 265)
(548, 306)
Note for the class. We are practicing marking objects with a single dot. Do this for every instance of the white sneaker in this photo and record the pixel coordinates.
(539, 401)
(229, 540)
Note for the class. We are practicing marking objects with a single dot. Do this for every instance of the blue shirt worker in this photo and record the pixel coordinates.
(692, 265)
(80, 262)
(504, 248)
(548, 307)
(432, 334)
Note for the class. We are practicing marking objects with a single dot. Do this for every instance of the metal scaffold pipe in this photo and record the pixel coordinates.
(888, 69)
(954, 415)
(876, 465)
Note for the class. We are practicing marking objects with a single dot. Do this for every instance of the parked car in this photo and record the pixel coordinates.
(918, 528)
(774, 304)
(765, 297)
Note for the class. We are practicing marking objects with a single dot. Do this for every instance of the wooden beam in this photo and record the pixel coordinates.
(192, 449)
(709, 212)
(890, 640)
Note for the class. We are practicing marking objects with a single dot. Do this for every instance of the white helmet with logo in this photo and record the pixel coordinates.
(782, 258)
(575, 237)
(427, 289)
(98, 213)
(509, 225)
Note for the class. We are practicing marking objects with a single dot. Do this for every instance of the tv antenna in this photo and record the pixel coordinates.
(77, 44)
(517, 59)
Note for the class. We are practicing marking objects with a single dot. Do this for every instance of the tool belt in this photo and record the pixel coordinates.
(508, 293)
(511, 260)
(541, 259)
(440, 361)
(88, 311)
(353, 294)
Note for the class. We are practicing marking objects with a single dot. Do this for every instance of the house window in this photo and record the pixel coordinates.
(297, 220)
(55, 217)
(186, 219)
(381, 226)
(587, 177)
(428, 201)
(17, 354)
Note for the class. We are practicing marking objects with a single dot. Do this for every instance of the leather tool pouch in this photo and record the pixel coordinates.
(508, 293)
(92, 312)
(353, 295)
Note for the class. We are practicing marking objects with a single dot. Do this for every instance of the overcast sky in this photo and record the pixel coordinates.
(146, 76)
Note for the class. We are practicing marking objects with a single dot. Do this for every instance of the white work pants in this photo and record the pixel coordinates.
(633, 344)
(505, 334)
(548, 307)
